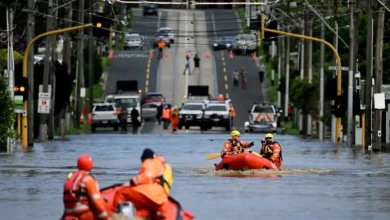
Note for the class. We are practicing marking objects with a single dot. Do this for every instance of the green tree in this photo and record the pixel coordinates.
(4, 58)
(305, 95)
(7, 112)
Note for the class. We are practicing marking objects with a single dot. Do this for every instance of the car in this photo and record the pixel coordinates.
(279, 112)
(161, 35)
(129, 100)
(262, 117)
(153, 97)
(170, 33)
(245, 43)
(104, 115)
(134, 40)
(149, 111)
(217, 114)
(224, 43)
(150, 9)
(192, 114)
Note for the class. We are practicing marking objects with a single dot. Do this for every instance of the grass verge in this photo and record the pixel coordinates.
(241, 14)
(289, 128)
(84, 129)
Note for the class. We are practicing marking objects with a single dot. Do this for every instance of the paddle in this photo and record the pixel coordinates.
(216, 155)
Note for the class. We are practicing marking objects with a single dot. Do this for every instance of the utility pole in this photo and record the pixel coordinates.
(282, 72)
(80, 58)
(302, 71)
(30, 73)
(322, 61)
(379, 75)
(11, 64)
(279, 65)
(46, 71)
(287, 75)
(350, 73)
(308, 66)
(369, 58)
(90, 57)
(67, 60)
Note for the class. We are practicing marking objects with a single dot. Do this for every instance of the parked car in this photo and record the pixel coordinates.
(153, 97)
(133, 40)
(262, 117)
(161, 35)
(245, 43)
(217, 114)
(168, 30)
(226, 42)
(104, 115)
(149, 111)
(150, 9)
(192, 114)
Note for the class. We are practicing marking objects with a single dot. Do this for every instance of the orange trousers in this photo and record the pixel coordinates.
(175, 122)
(145, 207)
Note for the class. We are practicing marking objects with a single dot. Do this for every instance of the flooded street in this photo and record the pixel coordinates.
(318, 180)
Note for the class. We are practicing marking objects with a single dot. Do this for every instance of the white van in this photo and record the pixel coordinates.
(129, 100)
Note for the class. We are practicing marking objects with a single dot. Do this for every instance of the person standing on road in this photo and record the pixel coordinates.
(187, 65)
(261, 69)
(161, 46)
(82, 198)
(232, 112)
(236, 77)
(196, 63)
(166, 115)
(134, 119)
(159, 113)
(175, 119)
(123, 114)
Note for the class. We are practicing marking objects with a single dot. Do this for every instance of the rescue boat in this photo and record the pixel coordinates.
(245, 160)
(127, 208)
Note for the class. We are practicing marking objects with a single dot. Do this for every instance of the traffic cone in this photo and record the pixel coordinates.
(90, 118)
(231, 54)
(82, 118)
(254, 55)
(150, 54)
(207, 54)
(111, 54)
(166, 55)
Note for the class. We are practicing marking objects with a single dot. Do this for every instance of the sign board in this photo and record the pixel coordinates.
(18, 100)
(44, 103)
(379, 101)
(343, 68)
(82, 92)
(386, 90)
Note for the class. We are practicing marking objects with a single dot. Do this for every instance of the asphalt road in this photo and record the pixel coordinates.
(135, 64)
(226, 23)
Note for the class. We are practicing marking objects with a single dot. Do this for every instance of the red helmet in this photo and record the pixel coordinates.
(85, 162)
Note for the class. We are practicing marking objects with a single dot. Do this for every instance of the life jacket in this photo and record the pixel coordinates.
(166, 180)
(166, 113)
(161, 44)
(175, 114)
(75, 198)
(267, 150)
(235, 144)
(233, 112)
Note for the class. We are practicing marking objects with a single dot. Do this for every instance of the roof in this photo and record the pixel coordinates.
(105, 103)
(165, 28)
(153, 93)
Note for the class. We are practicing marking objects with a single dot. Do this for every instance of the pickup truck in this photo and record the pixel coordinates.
(104, 115)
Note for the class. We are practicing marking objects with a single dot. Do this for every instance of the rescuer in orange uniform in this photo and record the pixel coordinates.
(161, 46)
(166, 116)
(272, 150)
(175, 118)
(82, 199)
(234, 145)
(232, 112)
(146, 191)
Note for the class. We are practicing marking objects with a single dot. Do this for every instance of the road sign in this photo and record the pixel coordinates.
(386, 90)
(44, 103)
(343, 68)
(18, 100)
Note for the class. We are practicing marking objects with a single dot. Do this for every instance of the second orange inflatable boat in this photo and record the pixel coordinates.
(244, 161)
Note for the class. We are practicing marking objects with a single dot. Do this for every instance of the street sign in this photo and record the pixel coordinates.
(386, 90)
(44, 103)
(18, 100)
(82, 92)
(343, 68)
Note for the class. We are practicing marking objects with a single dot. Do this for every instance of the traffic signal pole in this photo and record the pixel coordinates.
(263, 29)
(25, 60)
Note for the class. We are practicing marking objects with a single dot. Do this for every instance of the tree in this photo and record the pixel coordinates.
(7, 113)
(4, 58)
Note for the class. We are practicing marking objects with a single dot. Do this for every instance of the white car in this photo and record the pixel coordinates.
(128, 100)
(133, 41)
(170, 33)
(263, 118)
(217, 114)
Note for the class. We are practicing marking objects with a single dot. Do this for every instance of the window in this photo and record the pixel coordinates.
(133, 38)
(263, 109)
(247, 37)
(104, 108)
(149, 106)
(193, 107)
(155, 97)
(127, 102)
(217, 108)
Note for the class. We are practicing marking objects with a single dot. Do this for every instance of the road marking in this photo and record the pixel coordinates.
(147, 75)
(227, 95)
(140, 128)
(226, 86)
(225, 78)
(224, 70)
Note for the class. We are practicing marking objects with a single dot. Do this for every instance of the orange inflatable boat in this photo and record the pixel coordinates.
(127, 209)
(244, 161)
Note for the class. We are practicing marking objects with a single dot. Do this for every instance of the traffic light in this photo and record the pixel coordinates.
(21, 87)
(101, 25)
(338, 109)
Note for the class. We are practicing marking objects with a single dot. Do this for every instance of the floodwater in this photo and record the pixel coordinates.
(318, 180)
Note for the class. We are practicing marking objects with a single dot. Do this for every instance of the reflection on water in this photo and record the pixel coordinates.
(317, 180)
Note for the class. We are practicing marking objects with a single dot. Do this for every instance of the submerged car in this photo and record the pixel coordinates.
(224, 43)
